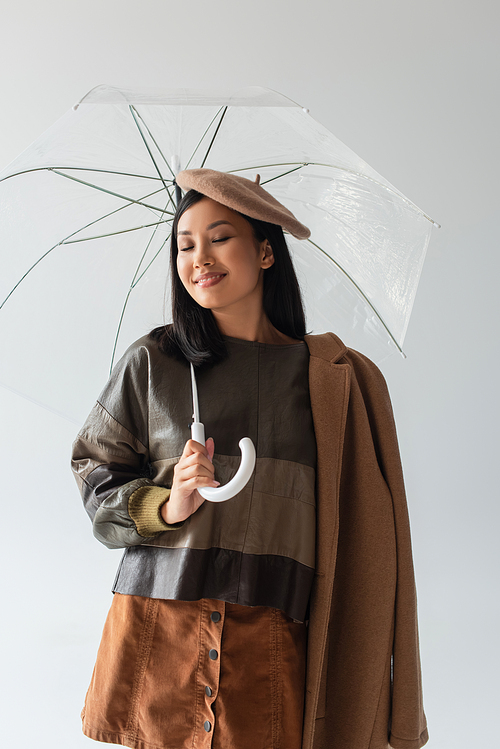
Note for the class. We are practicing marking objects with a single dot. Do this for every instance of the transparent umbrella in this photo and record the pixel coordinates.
(85, 221)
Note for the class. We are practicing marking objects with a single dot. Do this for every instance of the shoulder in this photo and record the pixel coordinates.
(141, 367)
(144, 355)
(329, 347)
(142, 350)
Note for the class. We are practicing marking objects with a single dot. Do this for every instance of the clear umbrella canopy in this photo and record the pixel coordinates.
(86, 211)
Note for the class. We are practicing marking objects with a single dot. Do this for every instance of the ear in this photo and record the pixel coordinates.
(267, 255)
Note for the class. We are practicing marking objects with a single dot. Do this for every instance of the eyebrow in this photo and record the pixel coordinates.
(210, 226)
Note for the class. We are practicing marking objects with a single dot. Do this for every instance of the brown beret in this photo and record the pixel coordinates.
(242, 195)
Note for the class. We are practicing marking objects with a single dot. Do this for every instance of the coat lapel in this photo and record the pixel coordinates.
(329, 384)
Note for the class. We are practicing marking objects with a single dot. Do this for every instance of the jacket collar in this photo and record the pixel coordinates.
(326, 346)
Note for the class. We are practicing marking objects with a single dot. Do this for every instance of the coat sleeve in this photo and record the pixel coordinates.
(110, 460)
(408, 727)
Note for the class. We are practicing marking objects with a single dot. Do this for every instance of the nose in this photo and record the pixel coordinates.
(202, 256)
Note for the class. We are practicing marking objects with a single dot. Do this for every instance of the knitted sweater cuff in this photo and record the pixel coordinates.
(144, 507)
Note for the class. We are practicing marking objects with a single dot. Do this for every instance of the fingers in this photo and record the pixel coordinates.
(192, 447)
(192, 470)
(187, 481)
(195, 467)
(196, 459)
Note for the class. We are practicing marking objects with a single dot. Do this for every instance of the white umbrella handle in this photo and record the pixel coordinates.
(248, 456)
(239, 480)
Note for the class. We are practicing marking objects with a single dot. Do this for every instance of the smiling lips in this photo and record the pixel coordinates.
(209, 279)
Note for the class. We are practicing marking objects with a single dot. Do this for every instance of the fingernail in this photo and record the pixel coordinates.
(216, 483)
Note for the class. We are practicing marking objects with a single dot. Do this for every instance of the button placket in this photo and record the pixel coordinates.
(212, 625)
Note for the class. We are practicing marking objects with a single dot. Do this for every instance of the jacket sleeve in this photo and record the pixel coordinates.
(408, 728)
(110, 460)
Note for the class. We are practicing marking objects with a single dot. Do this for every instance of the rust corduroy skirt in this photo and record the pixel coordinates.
(197, 675)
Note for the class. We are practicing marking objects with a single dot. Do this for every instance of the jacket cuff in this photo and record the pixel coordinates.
(398, 743)
(144, 507)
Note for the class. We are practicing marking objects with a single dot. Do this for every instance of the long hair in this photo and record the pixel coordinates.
(194, 335)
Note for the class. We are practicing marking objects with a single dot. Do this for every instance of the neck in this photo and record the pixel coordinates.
(258, 329)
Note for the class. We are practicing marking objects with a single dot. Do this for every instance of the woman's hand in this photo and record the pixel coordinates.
(194, 469)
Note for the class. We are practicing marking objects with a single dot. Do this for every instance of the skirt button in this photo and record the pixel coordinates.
(215, 616)
(207, 726)
(208, 691)
(213, 654)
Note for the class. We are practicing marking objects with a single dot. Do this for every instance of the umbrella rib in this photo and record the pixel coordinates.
(214, 136)
(154, 141)
(171, 200)
(65, 241)
(148, 266)
(124, 308)
(341, 169)
(108, 192)
(115, 233)
(119, 328)
(202, 138)
(153, 234)
(160, 152)
(77, 169)
(360, 290)
(133, 109)
(27, 273)
(290, 171)
(132, 112)
(133, 283)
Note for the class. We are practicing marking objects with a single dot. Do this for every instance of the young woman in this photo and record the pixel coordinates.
(282, 618)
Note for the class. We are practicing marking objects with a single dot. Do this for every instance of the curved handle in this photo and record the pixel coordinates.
(242, 477)
(239, 481)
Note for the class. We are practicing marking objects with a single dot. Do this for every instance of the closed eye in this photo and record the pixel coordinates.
(221, 239)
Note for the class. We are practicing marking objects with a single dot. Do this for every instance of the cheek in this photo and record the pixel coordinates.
(245, 265)
(182, 269)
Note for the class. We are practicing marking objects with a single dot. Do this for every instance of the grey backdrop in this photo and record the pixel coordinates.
(412, 87)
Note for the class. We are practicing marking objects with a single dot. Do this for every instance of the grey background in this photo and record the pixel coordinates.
(412, 87)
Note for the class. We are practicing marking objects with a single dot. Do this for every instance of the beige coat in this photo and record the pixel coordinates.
(363, 686)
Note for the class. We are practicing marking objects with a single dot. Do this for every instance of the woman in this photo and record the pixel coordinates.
(282, 618)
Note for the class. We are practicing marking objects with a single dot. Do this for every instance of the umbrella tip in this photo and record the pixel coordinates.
(75, 107)
(257, 179)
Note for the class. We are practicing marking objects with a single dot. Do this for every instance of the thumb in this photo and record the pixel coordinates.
(210, 445)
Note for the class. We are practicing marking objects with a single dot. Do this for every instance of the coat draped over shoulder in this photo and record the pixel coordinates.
(363, 685)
